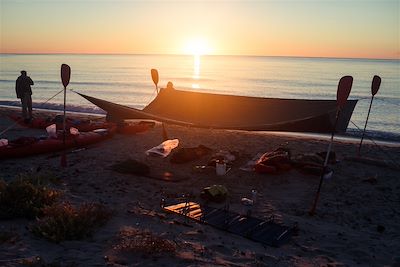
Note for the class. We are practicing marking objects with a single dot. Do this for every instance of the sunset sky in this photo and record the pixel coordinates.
(341, 28)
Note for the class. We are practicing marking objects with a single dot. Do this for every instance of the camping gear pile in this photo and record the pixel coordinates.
(188, 154)
(215, 193)
(274, 162)
(128, 127)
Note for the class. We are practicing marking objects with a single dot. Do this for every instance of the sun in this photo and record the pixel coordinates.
(197, 47)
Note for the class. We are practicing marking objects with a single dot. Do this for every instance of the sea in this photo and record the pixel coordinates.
(126, 79)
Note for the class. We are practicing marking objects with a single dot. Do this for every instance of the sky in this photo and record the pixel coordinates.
(325, 28)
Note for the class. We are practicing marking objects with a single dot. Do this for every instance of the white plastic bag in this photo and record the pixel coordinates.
(163, 149)
(3, 142)
(52, 131)
(74, 131)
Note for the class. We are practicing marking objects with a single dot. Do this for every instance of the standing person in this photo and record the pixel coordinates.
(24, 92)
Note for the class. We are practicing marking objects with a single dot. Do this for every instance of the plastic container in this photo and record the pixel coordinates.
(52, 131)
(220, 167)
(247, 206)
(254, 196)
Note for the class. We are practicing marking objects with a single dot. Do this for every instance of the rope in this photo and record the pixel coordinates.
(92, 119)
(364, 98)
(40, 104)
(380, 148)
(388, 102)
(380, 99)
(10, 127)
(51, 97)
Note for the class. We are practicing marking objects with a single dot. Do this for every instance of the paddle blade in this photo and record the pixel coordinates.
(154, 76)
(376, 83)
(343, 91)
(65, 74)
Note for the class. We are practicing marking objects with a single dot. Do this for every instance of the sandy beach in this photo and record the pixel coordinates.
(356, 222)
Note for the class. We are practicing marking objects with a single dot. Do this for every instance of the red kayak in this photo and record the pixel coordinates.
(42, 123)
(134, 128)
(28, 146)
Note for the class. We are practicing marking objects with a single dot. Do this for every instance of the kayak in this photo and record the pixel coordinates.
(43, 122)
(29, 146)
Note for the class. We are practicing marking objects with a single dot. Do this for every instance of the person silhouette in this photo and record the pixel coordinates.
(24, 92)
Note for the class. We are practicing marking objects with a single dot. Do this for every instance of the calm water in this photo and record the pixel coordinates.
(126, 79)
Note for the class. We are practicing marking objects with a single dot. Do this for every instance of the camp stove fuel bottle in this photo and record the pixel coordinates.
(254, 196)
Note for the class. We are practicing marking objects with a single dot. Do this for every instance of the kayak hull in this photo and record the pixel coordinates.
(54, 144)
(42, 123)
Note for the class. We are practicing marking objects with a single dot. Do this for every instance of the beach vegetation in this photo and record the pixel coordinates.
(143, 241)
(25, 197)
(38, 261)
(43, 178)
(63, 221)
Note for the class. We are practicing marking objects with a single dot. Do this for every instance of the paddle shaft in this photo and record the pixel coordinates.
(64, 119)
(165, 135)
(365, 126)
(63, 154)
(65, 77)
(314, 206)
(155, 77)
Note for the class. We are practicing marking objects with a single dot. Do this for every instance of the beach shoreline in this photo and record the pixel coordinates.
(355, 222)
(338, 137)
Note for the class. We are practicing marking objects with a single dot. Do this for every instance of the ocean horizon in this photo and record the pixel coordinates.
(125, 79)
(205, 55)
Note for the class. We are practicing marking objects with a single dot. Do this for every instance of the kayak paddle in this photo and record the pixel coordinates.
(154, 76)
(65, 76)
(343, 92)
(376, 83)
